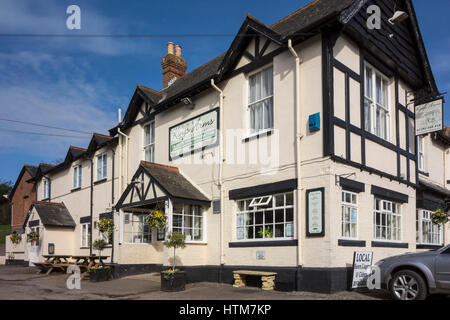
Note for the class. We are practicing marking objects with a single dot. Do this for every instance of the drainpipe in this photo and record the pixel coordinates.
(298, 137)
(112, 201)
(221, 162)
(124, 136)
(92, 206)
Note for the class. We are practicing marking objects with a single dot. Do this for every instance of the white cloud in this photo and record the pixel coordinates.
(30, 91)
(49, 17)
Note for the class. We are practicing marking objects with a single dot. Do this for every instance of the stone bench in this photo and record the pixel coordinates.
(267, 278)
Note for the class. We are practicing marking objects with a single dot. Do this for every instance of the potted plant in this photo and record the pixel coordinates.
(15, 238)
(173, 280)
(156, 219)
(100, 272)
(439, 217)
(33, 237)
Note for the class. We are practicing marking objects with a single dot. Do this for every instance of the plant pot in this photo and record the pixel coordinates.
(100, 274)
(173, 282)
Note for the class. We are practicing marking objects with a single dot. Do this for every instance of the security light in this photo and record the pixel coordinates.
(137, 181)
(398, 17)
(187, 101)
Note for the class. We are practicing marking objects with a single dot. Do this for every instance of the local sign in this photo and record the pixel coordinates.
(429, 117)
(194, 134)
(362, 263)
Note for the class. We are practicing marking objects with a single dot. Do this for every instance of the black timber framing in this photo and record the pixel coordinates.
(361, 132)
(329, 38)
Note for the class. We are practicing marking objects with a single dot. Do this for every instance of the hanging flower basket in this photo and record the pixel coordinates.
(33, 237)
(439, 217)
(156, 219)
(15, 238)
(106, 226)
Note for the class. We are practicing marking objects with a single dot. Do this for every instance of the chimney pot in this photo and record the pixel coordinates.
(170, 48)
(178, 50)
(173, 65)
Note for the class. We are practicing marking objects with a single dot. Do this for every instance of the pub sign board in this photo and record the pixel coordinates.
(362, 263)
(194, 134)
(429, 117)
(315, 212)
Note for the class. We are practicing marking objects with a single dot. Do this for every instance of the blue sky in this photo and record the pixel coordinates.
(79, 83)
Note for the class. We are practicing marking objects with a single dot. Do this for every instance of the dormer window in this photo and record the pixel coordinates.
(46, 194)
(102, 161)
(260, 101)
(77, 177)
(149, 142)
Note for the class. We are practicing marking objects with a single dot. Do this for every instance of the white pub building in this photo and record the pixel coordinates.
(287, 153)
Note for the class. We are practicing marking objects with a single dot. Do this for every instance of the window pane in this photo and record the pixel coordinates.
(289, 199)
(104, 165)
(279, 216)
(268, 217)
(368, 83)
(279, 230)
(289, 215)
(379, 90)
(258, 218)
(147, 135)
(367, 116)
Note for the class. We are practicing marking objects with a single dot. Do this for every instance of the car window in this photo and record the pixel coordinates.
(446, 251)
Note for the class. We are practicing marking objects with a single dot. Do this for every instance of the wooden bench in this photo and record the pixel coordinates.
(267, 278)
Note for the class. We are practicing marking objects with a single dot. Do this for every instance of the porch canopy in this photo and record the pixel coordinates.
(154, 183)
(51, 214)
(431, 196)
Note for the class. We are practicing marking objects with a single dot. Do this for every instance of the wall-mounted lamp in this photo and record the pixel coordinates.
(137, 182)
(398, 17)
(187, 101)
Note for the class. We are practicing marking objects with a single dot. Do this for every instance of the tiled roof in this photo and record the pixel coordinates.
(53, 215)
(306, 16)
(173, 182)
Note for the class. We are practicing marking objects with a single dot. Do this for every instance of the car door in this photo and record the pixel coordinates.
(443, 269)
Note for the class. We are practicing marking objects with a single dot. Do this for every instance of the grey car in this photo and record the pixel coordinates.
(414, 276)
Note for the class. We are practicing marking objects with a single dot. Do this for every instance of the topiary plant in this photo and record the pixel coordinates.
(175, 240)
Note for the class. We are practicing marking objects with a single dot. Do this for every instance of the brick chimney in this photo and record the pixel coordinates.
(173, 65)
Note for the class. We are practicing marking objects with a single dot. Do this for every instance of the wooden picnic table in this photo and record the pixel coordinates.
(52, 258)
(62, 262)
(52, 262)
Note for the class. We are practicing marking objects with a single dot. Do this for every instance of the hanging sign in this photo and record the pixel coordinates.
(315, 213)
(194, 134)
(362, 263)
(429, 117)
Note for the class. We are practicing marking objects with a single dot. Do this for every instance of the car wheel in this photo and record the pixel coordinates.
(408, 285)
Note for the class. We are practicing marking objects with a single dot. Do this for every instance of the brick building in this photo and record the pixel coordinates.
(22, 196)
